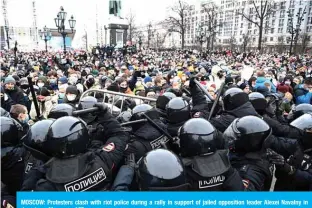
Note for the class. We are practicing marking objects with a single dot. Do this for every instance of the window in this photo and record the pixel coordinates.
(265, 39)
(249, 25)
(255, 31)
(241, 32)
(240, 40)
(280, 30)
(273, 22)
(271, 38)
(242, 24)
(254, 39)
(272, 30)
(266, 31)
(282, 14)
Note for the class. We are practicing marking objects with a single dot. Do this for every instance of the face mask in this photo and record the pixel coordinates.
(123, 89)
(61, 95)
(25, 121)
(71, 97)
(90, 82)
(24, 87)
(52, 81)
(73, 80)
(287, 83)
(40, 84)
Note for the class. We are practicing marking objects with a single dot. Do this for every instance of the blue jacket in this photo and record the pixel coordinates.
(260, 82)
(302, 95)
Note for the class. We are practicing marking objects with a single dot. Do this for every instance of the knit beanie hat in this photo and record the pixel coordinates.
(63, 80)
(148, 79)
(9, 79)
(283, 88)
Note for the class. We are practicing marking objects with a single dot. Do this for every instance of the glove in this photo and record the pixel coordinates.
(286, 168)
(102, 107)
(275, 158)
(130, 160)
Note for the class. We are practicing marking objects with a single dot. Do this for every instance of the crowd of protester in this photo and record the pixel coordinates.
(57, 78)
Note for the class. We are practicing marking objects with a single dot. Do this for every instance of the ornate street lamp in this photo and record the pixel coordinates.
(140, 42)
(60, 24)
(45, 35)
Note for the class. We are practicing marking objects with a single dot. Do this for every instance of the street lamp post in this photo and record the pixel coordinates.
(105, 28)
(201, 32)
(140, 42)
(60, 24)
(45, 35)
(7, 36)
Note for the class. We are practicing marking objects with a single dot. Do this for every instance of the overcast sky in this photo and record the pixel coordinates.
(20, 12)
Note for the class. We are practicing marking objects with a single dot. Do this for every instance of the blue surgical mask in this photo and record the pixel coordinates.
(25, 121)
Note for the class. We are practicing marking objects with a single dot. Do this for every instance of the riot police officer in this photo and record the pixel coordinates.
(178, 112)
(162, 101)
(36, 142)
(259, 102)
(158, 170)
(74, 167)
(245, 137)
(235, 102)
(299, 110)
(201, 143)
(61, 110)
(145, 137)
(12, 156)
(292, 158)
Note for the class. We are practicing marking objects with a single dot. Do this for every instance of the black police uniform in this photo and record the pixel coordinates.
(221, 122)
(91, 170)
(152, 175)
(12, 156)
(145, 137)
(278, 129)
(298, 154)
(245, 137)
(206, 161)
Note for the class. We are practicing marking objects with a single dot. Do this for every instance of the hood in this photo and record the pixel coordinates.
(245, 110)
(261, 80)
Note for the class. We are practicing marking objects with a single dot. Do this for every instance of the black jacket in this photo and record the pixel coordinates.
(16, 95)
(282, 130)
(7, 104)
(12, 168)
(222, 121)
(254, 169)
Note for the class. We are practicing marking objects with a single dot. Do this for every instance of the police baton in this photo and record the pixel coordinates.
(133, 122)
(85, 111)
(203, 89)
(157, 127)
(34, 98)
(216, 101)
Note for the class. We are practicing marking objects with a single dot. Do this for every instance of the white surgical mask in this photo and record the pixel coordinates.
(40, 84)
(71, 97)
(73, 80)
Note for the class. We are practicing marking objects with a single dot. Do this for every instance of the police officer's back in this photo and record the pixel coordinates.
(245, 137)
(157, 170)
(74, 167)
(12, 156)
(205, 158)
(145, 137)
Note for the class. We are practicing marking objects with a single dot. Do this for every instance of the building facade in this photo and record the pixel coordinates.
(275, 33)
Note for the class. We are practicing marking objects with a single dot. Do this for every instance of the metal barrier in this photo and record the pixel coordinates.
(111, 98)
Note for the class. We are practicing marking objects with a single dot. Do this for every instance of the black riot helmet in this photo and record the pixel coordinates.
(161, 170)
(138, 110)
(124, 117)
(247, 134)
(163, 100)
(301, 109)
(197, 137)
(4, 113)
(9, 132)
(35, 140)
(304, 123)
(67, 136)
(178, 110)
(234, 98)
(258, 101)
(61, 110)
(87, 102)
